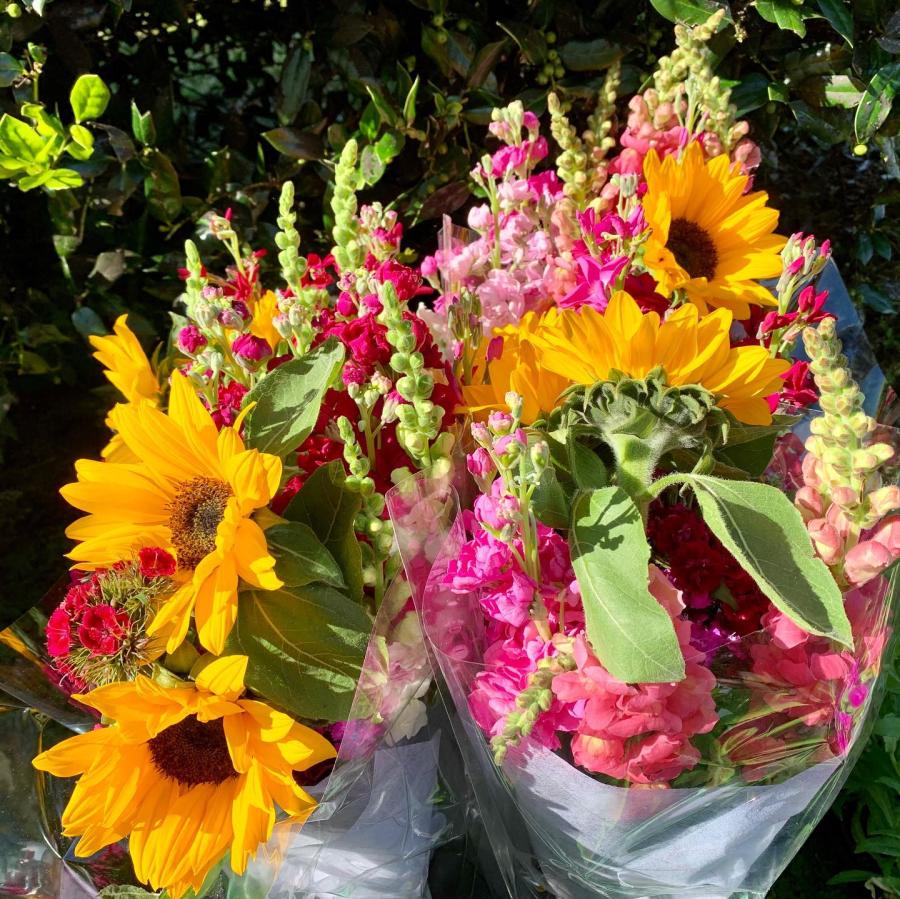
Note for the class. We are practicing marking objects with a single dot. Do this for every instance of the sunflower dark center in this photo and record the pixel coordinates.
(694, 250)
(193, 752)
(195, 514)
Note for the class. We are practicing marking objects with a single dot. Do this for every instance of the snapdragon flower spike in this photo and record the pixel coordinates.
(847, 508)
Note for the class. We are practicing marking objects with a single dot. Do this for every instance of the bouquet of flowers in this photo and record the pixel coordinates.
(663, 617)
(234, 621)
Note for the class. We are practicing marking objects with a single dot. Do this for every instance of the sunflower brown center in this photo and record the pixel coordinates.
(693, 248)
(193, 752)
(195, 513)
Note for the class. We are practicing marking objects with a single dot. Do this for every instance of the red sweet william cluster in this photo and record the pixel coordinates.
(716, 590)
(99, 628)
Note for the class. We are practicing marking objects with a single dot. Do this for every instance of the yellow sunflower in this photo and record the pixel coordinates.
(584, 346)
(128, 369)
(191, 492)
(264, 311)
(188, 773)
(517, 368)
(708, 237)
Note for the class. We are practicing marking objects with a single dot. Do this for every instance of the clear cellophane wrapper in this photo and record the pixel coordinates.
(768, 772)
(395, 816)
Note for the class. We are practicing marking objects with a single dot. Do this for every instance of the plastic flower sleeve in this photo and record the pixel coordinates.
(793, 714)
(395, 798)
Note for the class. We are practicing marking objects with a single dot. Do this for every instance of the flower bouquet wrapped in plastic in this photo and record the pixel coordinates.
(660, 692)
(237, 649)
(662, 616)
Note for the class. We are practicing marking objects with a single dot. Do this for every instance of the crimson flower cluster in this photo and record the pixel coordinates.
(717, 592)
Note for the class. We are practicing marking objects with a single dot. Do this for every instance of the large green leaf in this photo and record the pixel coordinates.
(89, 98)
(840, 15)
(288, 400)
(783, 13)
(876, 103)
(761, 528)
(631, 633)
(326, 505)
(19, 140)
(305, 647)
(691, 12)
(300, 557)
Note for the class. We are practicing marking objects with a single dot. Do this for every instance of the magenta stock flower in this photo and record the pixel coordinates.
(251, 349)
(191, 339)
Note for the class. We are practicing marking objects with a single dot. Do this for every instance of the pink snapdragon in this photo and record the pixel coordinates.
(640, 732)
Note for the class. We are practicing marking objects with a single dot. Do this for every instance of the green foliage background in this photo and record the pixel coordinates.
(215, 103)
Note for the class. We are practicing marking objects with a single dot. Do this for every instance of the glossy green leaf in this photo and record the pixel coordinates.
(691, 12)
(142, 126)
(63, 179)
(388, 146)
(10, 69)
(589, 56)
(783, 13)
(409, 104)
(20, 140)
(89, 98)
(751, 93)
(288, 400)
(295, 143)
(305, 647)
(760, 527)
(371, 165)
(300, 557)
(326, 505)
(162, 186)
(630, 632)
(840, 16)
(294, 84)
(841, 91)
(82, 137)
(484, 62)
(877, 100)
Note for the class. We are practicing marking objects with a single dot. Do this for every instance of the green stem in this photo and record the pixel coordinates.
(636, 460)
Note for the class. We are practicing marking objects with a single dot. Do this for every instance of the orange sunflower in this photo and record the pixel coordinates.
(192, 491)
(188, 773)
(707, 236)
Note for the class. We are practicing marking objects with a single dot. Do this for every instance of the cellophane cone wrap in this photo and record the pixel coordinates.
(393, 818)
(779, 757)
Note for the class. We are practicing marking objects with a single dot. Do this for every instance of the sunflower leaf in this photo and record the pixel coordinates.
(761, 528)
(288, 400)
(305, 648)
(301, 558)
(329, 509)
(631, 633)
